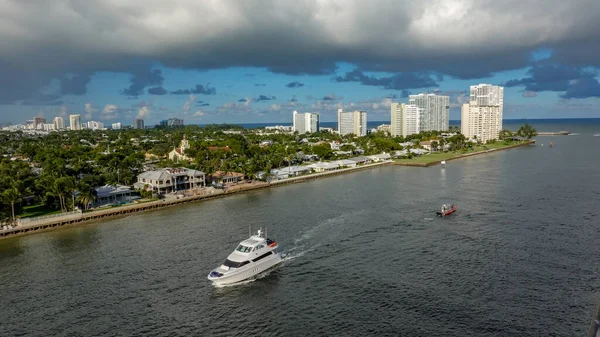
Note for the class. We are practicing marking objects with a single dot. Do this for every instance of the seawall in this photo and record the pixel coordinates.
(81, 218)
(437, 162)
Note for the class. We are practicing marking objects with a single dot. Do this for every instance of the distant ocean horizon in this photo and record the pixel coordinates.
(545, 124)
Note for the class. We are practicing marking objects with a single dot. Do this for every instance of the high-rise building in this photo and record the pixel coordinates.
(354, 122)
(75, 122)
(116, 126)
(38, 123)
(305, 122)
(59, 123)
(405, 119)
(173, 122)
(435, 110)
(93, 125)
(481, 118)
(138, 124)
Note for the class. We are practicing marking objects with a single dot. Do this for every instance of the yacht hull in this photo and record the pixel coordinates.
(248, 272)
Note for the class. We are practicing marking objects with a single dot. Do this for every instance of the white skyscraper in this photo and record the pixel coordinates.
(116, 126)
(405, 119)
(306, 122)
(75, 122)
(59, 123)
(435, 111)
(93, 125)
(481, 118)
(354, 122)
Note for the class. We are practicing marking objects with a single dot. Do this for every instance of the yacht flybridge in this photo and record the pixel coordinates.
(251, 257)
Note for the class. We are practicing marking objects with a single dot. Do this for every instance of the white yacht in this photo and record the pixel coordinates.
(251, 257)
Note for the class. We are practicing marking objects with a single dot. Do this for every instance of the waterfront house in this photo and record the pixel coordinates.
(170, 180)
(222, 177)
(345, 163)
(110, 194)
(427, 144)
(380, 157)
(291, 171)
(324, 166)
(361, 160)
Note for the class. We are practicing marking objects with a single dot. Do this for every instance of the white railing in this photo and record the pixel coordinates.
(44, 217)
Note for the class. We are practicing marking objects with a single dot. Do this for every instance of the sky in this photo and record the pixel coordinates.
(231, 61)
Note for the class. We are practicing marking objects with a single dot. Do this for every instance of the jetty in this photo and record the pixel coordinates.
(559, 133)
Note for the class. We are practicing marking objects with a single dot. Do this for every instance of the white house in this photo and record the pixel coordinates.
(380, 157)
(170, 180)
(324, 166)
(345, 163)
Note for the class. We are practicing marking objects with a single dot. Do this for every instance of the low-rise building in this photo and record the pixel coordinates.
(380, 157)
(324, 166)
(361, 160)
(110, 194)
(222, 177)
(345, 163)
(170, 180)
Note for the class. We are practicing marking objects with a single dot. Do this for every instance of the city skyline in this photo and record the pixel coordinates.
(151, 63)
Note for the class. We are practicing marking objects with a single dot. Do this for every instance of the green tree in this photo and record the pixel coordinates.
(527, 131)
(11, 195)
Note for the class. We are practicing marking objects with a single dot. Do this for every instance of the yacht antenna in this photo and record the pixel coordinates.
(249, 230)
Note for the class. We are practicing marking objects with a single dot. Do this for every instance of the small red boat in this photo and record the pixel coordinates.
(447, 209)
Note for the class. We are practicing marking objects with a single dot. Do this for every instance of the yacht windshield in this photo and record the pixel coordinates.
(244, 249)
(233, 264)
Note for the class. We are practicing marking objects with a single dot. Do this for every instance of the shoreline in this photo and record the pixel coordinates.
(90, 217)
(436, 162)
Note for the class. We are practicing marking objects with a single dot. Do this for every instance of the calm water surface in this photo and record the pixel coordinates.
(368, 257)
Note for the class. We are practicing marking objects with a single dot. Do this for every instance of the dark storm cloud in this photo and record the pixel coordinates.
(396, 82)
(437, 37)
(74, 84)
(331, 97)
(575, 82)
(294, 84)
(202, 103)
(139, 81)
(157, 91)
(199, 89)
(261, 98)
(242, 100)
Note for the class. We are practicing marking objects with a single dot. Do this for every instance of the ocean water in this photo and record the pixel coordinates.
(573, 125)
(367, 256)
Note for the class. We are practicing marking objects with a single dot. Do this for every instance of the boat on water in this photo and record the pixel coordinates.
(251, 257)
(447, 209)
(597, 135)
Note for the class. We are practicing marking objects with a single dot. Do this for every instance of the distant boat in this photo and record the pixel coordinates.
(597, 135)
(550, 144)
(447, 209)
(443, 163)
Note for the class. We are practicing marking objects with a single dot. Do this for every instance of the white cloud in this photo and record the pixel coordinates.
(198, 113)
(110, 112)
(143, 112)
(187, 106)
(89, 111)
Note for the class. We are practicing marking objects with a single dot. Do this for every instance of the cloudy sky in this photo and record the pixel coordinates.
(258, 60)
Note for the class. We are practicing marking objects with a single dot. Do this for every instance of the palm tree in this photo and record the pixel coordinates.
(87, 195)
(527, 131)
(10, 196)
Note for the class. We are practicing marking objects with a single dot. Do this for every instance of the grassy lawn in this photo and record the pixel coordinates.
(38, 210)
(438, 156)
